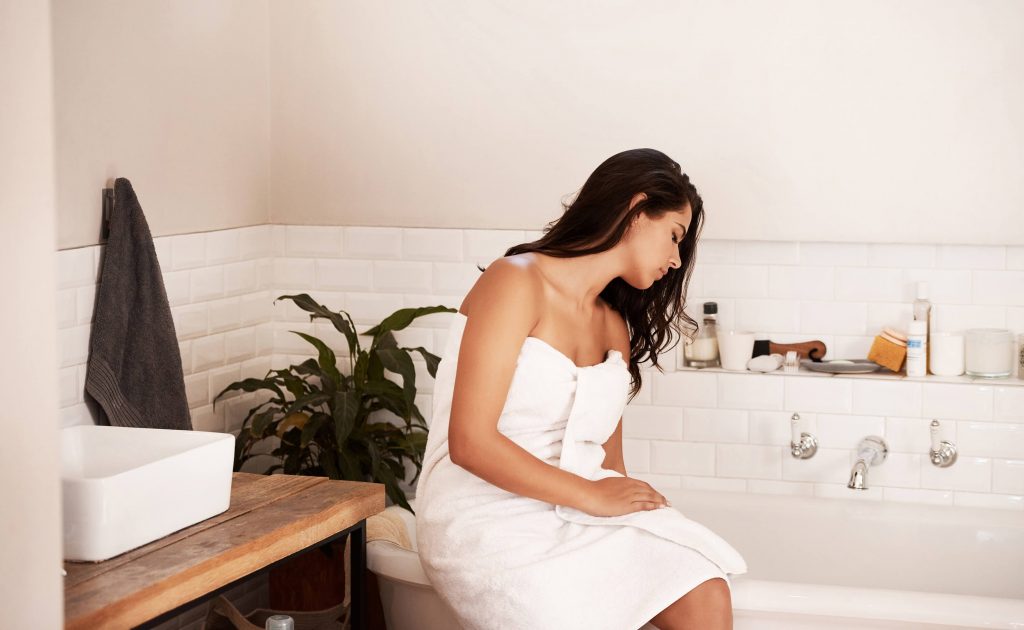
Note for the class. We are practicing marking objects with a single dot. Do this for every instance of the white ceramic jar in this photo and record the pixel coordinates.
(946, 353)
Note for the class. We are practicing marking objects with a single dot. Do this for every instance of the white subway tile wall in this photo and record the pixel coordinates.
(220, 294)
(707, 429)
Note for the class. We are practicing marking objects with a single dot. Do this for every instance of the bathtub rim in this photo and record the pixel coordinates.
(915, 607)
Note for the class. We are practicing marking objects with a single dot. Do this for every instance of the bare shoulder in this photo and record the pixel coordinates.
(616, 330)
(511, 280)
(501, 309)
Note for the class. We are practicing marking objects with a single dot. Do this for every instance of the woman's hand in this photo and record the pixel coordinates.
(614, 496)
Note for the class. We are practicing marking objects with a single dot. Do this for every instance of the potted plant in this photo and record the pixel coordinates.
(321, 416)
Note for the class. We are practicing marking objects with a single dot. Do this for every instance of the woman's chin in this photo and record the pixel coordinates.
(642, 284)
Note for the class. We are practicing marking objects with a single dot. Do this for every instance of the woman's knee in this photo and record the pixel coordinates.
(707, 605)
(716, 587)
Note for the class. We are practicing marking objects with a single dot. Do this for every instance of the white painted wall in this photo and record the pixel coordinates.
(171, 95)
(798, 120)
(31, 593)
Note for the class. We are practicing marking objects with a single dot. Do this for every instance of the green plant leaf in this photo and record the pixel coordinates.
(327, 460)
(292, 463)
(432, 360)
(261, 422)
(250, 385)
(346, 408)
(253, 411)
(374, 366)
(295, 385)
(405, 316)
(384, 388)
(397, 469)
(386, 340)
(381, 430)
(391, 487)
(310, 367)
(312, 427)
(328, 360)
(388, 396)
(349, 463)
(410, 443)
(418, 439)
(359, 372)
(341, 321)
(398, 361)
(310, 400)
(371, 448)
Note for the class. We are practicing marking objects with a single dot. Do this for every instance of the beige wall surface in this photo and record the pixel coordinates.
(797, 119)
(171, 95)
(31, 594)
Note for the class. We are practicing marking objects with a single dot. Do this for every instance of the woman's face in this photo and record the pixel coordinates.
(652, 245)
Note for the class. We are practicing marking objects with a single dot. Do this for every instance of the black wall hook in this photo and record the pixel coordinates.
(108, 208)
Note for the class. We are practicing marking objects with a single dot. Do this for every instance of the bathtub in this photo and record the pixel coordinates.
(815, 563)
(858, 563)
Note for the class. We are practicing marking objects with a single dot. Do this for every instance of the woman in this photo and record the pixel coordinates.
(525, 515)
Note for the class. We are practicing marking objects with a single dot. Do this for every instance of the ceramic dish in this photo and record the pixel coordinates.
(847, 366)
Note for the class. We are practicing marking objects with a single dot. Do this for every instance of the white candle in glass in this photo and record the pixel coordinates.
(989, 352)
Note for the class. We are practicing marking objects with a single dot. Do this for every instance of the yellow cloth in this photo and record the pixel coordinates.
(389, 527)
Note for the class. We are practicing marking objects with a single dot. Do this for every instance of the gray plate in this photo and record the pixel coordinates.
(856, 366)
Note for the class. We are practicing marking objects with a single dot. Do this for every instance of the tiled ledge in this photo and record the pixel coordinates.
(881, 375)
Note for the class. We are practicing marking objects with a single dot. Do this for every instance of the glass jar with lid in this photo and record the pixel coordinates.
(702, 352)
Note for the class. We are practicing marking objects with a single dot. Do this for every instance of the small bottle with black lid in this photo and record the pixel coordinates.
(702, 352)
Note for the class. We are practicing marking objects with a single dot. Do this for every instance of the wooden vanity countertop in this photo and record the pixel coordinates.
(269, 518)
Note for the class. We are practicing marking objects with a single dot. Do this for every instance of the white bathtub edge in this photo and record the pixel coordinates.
(877, 604)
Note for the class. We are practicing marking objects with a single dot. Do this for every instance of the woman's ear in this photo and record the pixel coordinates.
(637, 198)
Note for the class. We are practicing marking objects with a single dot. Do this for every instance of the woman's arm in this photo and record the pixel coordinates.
(503, 463)
(503, 306)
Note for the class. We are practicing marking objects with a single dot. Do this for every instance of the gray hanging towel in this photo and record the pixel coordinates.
(134, 370)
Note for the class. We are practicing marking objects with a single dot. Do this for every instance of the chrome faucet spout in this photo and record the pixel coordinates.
(871, 451)
(858, 476)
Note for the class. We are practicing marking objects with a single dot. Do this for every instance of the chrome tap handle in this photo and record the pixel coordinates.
(801, 445)
(942, 453)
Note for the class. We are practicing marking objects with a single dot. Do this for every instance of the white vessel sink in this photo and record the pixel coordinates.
(124, 487)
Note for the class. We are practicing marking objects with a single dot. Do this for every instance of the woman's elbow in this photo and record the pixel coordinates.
(465, 450)
(457, 452)
(454, 455)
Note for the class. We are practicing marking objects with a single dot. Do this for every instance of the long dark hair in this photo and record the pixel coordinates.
(598, 218)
